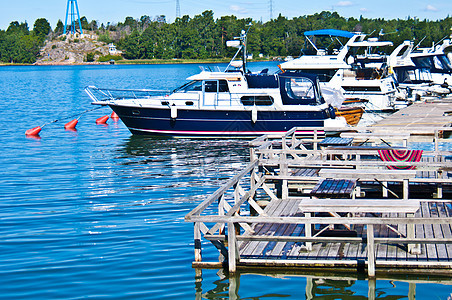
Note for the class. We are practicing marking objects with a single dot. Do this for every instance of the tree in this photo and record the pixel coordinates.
(16, 28)
(41, 28)
(84, 22)
(59, 28)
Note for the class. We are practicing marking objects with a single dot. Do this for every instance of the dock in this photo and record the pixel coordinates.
(365, 200)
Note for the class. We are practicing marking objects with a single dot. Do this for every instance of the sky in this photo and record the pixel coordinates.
(115, 11)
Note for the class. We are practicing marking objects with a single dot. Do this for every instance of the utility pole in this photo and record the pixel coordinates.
(271, 9)
(177, 9)
(73, 14)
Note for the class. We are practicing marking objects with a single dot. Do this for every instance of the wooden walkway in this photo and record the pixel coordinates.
(387, 220)
(270, 250)
(423, 114)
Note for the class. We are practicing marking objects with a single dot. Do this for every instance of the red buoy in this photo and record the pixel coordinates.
(102, 120)
(114, 117)
(71, 124)
(34, 131)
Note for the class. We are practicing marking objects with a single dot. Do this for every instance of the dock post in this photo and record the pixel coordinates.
(308, 230)
(283, 170)
(371, 289)
(232, 248)
(412, 248)
(370, 251)
(197, 234)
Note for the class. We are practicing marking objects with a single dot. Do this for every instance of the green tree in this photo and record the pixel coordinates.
(84, 22)
(41, 28)
(59, 28)
(16, 28)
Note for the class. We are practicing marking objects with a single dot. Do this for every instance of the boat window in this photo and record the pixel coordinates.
(223, 86)
(262, 100)
(210, 86)
(324, 75)
(446, 62)
(422, 62)
(300, 88)
(193, 86)
(437, 63)
(362, 88)
(215, 86)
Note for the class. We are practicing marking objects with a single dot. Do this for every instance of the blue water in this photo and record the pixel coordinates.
(99, 214)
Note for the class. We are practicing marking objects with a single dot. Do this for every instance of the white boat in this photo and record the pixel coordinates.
(422, 73)
(229, 103)
(354, 68)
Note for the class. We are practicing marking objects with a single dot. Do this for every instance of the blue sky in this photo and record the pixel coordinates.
(117, 10)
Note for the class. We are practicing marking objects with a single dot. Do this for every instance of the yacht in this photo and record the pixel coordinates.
(354, 68)
(425, 72)
(229, 103)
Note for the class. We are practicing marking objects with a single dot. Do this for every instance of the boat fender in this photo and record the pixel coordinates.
(173, 111)
(254, 114)
(330, 112)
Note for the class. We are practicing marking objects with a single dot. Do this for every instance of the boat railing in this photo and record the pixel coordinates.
(107, 94)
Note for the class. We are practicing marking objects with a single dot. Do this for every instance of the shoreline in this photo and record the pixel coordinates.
(132, 62)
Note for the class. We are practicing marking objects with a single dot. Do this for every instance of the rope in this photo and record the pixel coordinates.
(72, 116)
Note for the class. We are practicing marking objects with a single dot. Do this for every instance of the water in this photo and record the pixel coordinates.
(99, 213)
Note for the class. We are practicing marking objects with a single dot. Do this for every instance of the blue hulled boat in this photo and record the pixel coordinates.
(230, 103)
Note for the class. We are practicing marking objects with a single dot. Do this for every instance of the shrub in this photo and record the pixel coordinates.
(90, 57)
(109, 57)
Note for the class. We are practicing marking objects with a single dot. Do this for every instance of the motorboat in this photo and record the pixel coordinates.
(354, 68)
(229, 103)
(423, 73)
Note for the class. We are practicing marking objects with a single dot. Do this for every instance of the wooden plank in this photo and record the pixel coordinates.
(367, 174)
(259, 247)
(274, 249)
(428, 230)
(358, 206)
(437, 231)
(446, 229)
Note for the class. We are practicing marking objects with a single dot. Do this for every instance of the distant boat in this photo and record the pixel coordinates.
(229, 103)
(422, 72)
(353, 68)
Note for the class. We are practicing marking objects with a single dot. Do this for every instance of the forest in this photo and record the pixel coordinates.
(203, 37)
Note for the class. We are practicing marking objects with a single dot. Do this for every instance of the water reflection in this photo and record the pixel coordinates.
(181, 162)
(325, 286)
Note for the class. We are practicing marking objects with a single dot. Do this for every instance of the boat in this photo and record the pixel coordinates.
(354, 68)
(424, 72)
(229, 103)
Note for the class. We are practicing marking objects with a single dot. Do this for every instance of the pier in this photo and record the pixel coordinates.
(341, 202)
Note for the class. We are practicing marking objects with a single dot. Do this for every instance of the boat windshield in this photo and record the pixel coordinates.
(434, 63)
(192, 86)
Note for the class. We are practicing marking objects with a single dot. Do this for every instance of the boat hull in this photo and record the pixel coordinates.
(352, 115)
(220, 123)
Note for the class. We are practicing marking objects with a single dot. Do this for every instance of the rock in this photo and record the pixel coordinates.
(71, 50)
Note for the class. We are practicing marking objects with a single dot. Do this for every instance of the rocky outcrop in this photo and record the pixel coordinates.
(71, 50)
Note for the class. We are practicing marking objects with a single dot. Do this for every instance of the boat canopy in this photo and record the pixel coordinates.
(330, 32)
(299, 89)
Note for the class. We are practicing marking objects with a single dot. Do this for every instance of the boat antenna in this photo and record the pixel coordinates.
(243, 41)
(418, 44)
(242, 47)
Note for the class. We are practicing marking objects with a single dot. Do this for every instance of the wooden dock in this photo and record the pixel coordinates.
(431, 114)
(301, 204)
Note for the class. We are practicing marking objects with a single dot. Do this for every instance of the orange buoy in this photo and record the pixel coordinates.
(114, 116)
(102, 120)
(34, 131)
(71, 124)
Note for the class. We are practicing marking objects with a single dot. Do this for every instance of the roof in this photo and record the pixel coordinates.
(330, 32)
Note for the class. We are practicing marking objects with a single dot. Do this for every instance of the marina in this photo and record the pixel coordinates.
(153, 167)
(306, 205)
